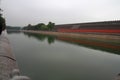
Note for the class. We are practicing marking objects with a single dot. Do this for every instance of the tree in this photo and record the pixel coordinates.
(40, 26)
(44, 27)
(29, 26)
(51, 25)
(2, 22)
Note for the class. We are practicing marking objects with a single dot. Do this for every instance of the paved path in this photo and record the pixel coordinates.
(7, 59)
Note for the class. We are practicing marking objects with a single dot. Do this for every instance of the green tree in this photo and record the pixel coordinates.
(39, 26)
(29, 27)
(44, 27)
(51, 26)
(2, 22)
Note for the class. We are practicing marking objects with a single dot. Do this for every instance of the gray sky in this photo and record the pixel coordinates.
(24, 12)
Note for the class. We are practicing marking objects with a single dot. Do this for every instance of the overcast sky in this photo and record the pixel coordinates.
(24, 12)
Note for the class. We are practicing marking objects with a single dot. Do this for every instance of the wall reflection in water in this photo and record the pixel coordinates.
(112, 47)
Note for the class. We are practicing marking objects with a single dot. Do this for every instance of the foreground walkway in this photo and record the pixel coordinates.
(8, 65)
(7, 59)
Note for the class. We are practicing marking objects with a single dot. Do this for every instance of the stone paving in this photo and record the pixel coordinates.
(7, 59)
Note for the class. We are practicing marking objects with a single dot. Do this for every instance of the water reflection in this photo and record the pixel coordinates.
(13, 32)
(41, 37)
(111, 47)
(94, 44)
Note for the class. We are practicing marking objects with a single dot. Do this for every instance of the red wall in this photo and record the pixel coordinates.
(90, 30)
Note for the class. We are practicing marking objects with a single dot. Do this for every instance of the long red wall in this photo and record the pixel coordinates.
(90, 30)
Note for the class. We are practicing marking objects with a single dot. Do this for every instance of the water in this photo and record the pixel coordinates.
(44, 57)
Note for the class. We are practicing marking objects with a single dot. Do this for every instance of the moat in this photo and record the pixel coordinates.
(43, 57)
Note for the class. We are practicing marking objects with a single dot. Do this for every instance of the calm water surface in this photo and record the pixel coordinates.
(52, 58)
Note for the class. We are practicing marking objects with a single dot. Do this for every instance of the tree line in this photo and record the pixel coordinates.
(2, 22)
(41, 26)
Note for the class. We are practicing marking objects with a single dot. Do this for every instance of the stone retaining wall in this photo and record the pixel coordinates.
(7, 59)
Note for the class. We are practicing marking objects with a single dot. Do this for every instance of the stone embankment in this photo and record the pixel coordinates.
(7, 59)
(8, 65)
